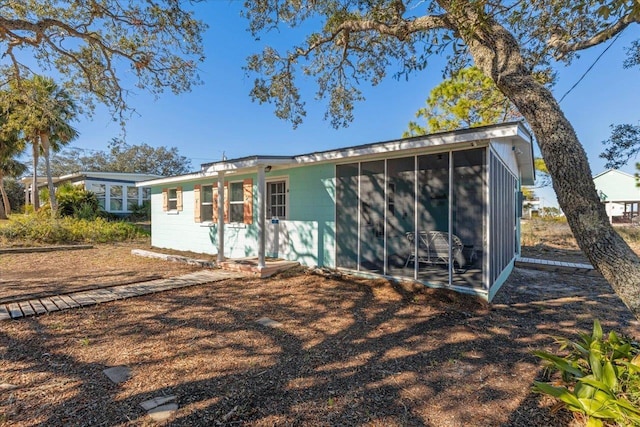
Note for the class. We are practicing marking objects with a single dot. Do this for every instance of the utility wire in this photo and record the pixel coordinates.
(590, 67)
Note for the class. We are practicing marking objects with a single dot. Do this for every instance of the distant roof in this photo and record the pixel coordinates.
(616, 186)
(105, 176)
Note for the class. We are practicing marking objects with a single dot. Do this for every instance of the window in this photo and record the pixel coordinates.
(277, 199)
(146, 194)
(236, 202)
(115, 198)
(206, 203)
(132, 198)
(100, 190)
(173, 199)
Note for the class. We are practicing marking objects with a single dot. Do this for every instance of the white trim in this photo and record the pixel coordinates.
(230, 202)
(287, 205)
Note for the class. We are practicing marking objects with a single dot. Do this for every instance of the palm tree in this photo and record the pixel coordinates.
(42, 111)
(8, 167)
(10, 146)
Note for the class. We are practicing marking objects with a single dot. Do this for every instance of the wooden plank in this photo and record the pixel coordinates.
(38, 308)
(122, 292)
(82, 298)
(102, 295)
(26, 308)
(131, 289)
(48, 304)
(14, 310)
(4, 313)
(59, 302)
(69, 301)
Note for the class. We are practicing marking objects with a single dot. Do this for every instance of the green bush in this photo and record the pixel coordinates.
(77, 202)
(600, 377)
(41, 228)
(141, 212)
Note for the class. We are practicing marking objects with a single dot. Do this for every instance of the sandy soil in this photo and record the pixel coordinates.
(348, 351)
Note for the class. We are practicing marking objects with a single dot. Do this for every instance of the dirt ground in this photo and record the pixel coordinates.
(348, 352)
(49, 273)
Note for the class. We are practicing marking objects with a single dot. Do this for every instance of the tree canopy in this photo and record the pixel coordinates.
(467, 99)
(622, 146)
(122, 157)
(364, 41)
(96, 44)
(513, 43)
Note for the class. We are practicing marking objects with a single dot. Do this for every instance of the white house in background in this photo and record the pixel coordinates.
(116, 191)
(619, 192)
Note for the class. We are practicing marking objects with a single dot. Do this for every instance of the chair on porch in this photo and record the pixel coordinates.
(433, 248)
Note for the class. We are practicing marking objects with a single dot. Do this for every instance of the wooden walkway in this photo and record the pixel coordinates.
(31, 307)
(558, 266)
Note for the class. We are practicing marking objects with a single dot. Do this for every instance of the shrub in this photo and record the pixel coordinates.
(600, 377)
(141, 212)
(77, 202)
(41, 228)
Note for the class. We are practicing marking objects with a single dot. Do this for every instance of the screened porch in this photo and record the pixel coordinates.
(446, 219)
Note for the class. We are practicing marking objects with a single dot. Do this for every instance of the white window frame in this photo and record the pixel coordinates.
(102, 200)
(122, 198)
(275, 180)
(236, 202)
(203, 219)
(174, 200)
(128, 200)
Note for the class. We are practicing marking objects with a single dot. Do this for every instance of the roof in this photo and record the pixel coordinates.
(616, 186)
(102, 176)
(514, 133)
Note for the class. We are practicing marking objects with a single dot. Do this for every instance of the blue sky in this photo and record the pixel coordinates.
(219, 117)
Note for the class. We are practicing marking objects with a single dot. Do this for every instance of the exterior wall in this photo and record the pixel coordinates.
(617, 186)
(508, 156)
(504, 234)
(307, 236)
(178, 230)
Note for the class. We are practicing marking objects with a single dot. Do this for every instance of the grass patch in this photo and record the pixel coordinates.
(41, 228)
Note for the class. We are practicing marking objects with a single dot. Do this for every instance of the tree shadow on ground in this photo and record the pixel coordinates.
(348, 352)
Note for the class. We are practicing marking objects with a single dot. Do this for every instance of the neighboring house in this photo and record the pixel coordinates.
(620, 194)
(360, 208)
(116, 191)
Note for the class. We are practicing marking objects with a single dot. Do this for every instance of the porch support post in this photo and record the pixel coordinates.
(261, 219)
(220, 257)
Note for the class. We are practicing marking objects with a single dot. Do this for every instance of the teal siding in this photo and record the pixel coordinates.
(178, 230)
(307, 236)
(312, 206)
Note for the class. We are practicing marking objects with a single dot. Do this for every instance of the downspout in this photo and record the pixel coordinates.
(261, 216)
(220, 257)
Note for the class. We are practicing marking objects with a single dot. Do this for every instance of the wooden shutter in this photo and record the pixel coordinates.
(247, 189)
(226, 202)
(215, 203)
(165, 199)
(196, 203)
(179, 198)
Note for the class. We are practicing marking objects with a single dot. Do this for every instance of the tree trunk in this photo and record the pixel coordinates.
(46, 148)
(497, 53)
(4, 206)
(35, 197)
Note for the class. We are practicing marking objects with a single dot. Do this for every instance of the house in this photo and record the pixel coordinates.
(116, 191)
(620, 194)
(441, 209)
